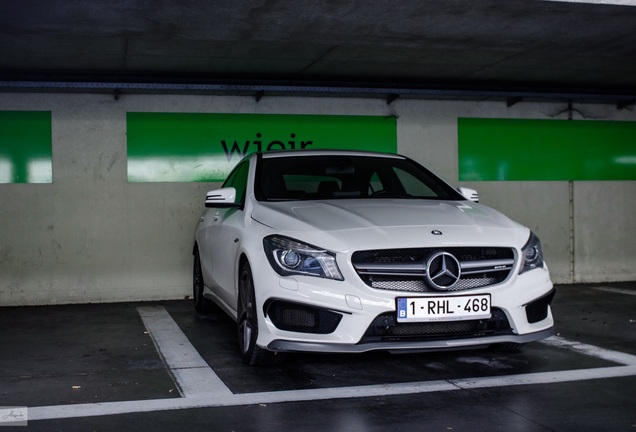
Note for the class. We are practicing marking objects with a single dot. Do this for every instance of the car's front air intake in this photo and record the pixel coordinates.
(301, 318)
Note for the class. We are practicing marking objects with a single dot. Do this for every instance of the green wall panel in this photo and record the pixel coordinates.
(173, 147)
(25, 147)
(514, 149)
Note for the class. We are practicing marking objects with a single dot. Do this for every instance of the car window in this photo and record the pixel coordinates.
(311, 184)
(238, 180)
(413, 186)
(375, 185)
(346, 176)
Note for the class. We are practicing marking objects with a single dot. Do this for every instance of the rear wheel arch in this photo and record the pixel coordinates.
(201, 304)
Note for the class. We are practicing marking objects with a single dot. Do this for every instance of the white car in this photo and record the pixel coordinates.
(347, 252)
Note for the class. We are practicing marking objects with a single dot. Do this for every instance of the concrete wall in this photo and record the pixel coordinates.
(91, 236)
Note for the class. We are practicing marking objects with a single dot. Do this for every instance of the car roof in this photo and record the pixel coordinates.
(324, 152)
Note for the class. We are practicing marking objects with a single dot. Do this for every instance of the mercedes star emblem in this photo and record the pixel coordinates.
(442, 271)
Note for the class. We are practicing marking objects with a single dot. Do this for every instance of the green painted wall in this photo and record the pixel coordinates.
(25, 147)
(513, 149)
(174, 147)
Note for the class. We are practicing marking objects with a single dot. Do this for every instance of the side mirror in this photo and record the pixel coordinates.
(222, 198)
(469, 194)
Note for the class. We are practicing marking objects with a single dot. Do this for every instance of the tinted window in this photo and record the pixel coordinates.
(413, 186)
(342, 176)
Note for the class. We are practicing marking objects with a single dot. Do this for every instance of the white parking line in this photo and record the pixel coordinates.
(591, 350)
(213, 400)
(192, 374)
(616, 290)
(180, 355)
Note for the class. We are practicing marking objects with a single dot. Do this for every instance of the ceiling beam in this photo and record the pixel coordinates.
(257, 91)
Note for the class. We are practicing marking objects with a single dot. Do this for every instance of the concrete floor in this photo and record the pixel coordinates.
(97, 368)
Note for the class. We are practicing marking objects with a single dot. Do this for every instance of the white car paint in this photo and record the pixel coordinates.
(405, 223)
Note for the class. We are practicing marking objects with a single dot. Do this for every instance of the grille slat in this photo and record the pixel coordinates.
(405, 269)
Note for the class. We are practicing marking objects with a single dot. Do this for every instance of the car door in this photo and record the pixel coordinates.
(219, 239)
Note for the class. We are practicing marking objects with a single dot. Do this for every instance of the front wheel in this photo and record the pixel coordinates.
(251, 353)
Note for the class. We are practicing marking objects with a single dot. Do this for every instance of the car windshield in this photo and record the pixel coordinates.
(320, 177)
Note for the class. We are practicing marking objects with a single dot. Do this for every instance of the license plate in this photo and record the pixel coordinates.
(447, 308)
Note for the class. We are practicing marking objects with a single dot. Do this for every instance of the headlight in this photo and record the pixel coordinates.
(532, 254)
(290, 257)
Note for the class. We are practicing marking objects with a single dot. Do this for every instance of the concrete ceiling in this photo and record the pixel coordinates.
(508, 46)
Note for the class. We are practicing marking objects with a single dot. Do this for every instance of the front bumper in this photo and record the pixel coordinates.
(407, 346)
(359, 307)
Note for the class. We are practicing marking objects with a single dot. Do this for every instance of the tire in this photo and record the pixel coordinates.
(247, 324)
(201, 304)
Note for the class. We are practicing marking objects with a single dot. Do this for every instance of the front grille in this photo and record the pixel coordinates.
(385, 328)
(405, 269)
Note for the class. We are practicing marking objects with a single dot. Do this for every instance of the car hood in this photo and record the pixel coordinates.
(340, 225)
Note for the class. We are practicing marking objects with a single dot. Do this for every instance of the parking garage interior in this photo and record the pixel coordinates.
(98, 205)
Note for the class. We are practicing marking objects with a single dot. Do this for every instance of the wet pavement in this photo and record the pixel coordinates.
(98, 368)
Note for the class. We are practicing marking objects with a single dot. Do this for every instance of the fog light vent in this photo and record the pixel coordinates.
(302, 318)
(538, 309)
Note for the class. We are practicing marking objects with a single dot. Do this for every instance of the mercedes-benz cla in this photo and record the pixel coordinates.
(347, 252)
